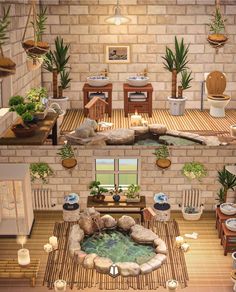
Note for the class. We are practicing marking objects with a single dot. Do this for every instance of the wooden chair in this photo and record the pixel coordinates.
(192, 199)
(96, 108)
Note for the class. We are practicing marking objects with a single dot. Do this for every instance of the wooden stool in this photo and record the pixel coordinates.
(228, 239)
(139, 106)
(221, 218)
(108, 88)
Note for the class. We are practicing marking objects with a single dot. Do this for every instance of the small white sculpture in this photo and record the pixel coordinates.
(87, 129)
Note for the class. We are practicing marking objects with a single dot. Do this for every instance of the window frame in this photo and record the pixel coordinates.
(116, 170)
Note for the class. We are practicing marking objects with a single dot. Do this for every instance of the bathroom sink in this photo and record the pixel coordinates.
(137, 80)
(231, 224)
(98, 80)
(228, 208)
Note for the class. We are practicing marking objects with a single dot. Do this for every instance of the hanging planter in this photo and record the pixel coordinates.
(7, 66)
(36, 48)
(161, 157)
(33, 63)
(67, 156)
(217, 36)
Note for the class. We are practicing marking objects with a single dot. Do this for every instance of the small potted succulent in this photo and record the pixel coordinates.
(7, 66)
(132, 193)
(97, 191)
(162, 155)
(40, 171)
(217, 36)
(38, 95)
(67, 155)
(194, 170)
(26, 128)
(115, 193)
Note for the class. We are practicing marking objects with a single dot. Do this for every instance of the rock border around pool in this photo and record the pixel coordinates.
(102, 265)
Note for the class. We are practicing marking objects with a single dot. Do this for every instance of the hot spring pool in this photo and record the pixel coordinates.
(117, 246)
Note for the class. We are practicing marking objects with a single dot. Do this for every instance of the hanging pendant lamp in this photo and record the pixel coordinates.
(117, 18)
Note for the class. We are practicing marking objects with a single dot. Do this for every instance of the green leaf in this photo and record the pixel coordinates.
(4, 23)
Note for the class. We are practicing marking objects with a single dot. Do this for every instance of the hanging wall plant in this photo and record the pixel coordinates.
(194, 170)
(67, 156)
(7, 66)
(40, 171)
(162, 155)
(36, 48)
(217, 36)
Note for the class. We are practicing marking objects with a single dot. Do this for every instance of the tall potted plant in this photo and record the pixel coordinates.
(227, 180)
(175, 61)
(56, 62)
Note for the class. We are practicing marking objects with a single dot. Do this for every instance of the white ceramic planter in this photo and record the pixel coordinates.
(63, 102)
(177, 106)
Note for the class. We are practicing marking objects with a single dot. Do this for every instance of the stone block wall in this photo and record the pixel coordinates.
(23, 80)
(152, 179)
(154, 23)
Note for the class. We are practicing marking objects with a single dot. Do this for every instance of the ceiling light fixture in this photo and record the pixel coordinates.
(117, 18)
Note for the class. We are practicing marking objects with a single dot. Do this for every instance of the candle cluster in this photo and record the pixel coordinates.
(180, 243)
(52, 245)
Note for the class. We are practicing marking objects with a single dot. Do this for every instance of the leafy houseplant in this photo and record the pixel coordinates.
(67, 155)
(56, 62)
(7, 66)
(38, 95)
(220, 196)
(97, 191)
(115, 193)
(228, 181)
(132, 193)
(217, 28)
(176, 61)
(162, 155)
(194, 170)
(26, 112)
(40, 171)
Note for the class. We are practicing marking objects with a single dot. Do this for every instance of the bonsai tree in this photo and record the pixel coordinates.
(23, 109)
(176, 61)
(217, 27)
(7, 66)
(57, 62)
(228, 181)
(40, 171)
(133, 191)
(185, 82)
(97, 190)
(194, 170)
(38, 95)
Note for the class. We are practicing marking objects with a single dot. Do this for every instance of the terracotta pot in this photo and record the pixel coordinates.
(69, 163)
(218, 38)
(163, 163)
(98, 199)
(24, 132)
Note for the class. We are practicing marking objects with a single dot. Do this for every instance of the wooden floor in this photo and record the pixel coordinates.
(208, 269)
(193, 121)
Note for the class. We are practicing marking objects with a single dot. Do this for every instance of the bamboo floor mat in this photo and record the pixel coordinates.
(192, 121)
(61, 266)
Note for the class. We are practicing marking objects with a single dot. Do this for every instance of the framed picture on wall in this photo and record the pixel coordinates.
(117, 54)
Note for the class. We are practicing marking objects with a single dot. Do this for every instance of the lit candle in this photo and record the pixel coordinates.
(179, 241)
(47, 247)
(53, 242)
(60, 285)
(136, 120)
(185, 246)
(23, 257)
(172, 284)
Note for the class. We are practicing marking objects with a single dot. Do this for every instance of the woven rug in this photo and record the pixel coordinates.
(61, 266)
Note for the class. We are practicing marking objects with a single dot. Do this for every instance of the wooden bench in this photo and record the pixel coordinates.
(10, 269)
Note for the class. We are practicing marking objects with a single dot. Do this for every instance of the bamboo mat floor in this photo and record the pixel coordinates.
(193, 121)
(208, 269)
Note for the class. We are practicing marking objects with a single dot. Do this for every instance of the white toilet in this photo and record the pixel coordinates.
(215, 87)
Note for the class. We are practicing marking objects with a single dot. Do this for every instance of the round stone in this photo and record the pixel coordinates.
(158, 129)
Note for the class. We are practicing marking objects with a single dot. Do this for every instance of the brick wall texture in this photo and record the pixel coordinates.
(152, 179)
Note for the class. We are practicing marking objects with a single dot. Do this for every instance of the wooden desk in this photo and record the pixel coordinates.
(49, 124)
(108, 88)
(122, 206)
(221, 218)
(228, 239)
(139, 106)
(10, 269)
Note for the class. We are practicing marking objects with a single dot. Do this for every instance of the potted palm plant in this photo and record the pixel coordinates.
(67, 155)
(26, 111)
(56, 62)
(162, 155)
(97, 191)
(39, 96)
(7, 66)
(228, 181)
(132, 193)
(217, 35)
(175, 61)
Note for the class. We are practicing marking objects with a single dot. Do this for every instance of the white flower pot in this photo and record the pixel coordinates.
(177, 106)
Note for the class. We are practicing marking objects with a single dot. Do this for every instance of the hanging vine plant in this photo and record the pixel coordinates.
(217, 36)
(35, 48)
(7, 66)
